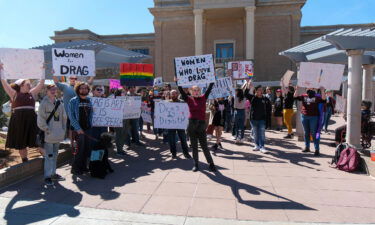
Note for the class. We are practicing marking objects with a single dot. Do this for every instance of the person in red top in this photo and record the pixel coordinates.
(310, 116)
(197, 123)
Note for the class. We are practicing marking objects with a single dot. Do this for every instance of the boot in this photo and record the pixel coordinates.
(195, 168)
(212, 167)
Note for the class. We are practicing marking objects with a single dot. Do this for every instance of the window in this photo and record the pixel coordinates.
(224, 50)
(144, 51)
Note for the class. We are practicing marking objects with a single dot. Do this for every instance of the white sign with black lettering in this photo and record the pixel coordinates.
(108, 112)
(146, 113)
(170, 115)
(22, 63)
(223, 88)
(132, 108)
(195, 70)
(73, 62)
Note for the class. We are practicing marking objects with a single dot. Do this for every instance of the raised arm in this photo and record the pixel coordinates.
(184, 96)
(323, 91)
(296, 92)
(35, 91)
(209, 89)
(7, 88)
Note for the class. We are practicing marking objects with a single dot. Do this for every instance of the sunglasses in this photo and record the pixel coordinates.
(98, 89)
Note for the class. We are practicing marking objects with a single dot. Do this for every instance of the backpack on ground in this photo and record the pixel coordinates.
(338, 151)
(349, 160)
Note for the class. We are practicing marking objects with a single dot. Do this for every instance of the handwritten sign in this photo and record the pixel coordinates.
(108, 112)
(285, 80)
(316, 75)
(170, 115)
(73, 62)
(114, 84)
(146, 113)
(241, 70)
(132, 109)
(223, 88)
(195, 70)
(340, 104)
(158, 82)
(22, 63)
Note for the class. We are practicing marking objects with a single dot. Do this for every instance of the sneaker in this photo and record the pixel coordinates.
(289, 136)
(195, 168)
(220, 145)
(48, 182)
(306, 150)
(256, 148)
(212, 168)
(263, 150)
(215, 147)
(234, 138)
(57, 177)
(120, 153)
(316, 153)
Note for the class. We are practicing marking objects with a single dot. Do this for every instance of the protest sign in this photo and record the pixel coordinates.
(316, 75)
(73, 62)
(194, 70)
(114, 84)
(340, 104)
(223, 88)
(136, 74)
(170, 115)
(146, 113)
(108, 112)
(158, 82)
(132, 109)
(22, 63)
(285, 80)
(241, 69)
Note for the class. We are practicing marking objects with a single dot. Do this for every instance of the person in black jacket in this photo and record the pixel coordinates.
(258, 115)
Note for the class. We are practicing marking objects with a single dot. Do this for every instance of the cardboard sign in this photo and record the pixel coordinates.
(285, 80)
(340, 104)
(114, 84)
(132, 108)
(73, 62)
(223, 88)
(158, 82)
(108, 112)
(136, 74)
(241, 70)
(146, 113)
(22, 63)
(316, 75)
(170, 115)
(195, 70)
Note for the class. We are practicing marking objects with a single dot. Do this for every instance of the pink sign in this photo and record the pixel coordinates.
(114, 84)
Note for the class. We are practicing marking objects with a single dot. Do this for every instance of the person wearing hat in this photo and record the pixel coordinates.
(278, 109)
(23, 121)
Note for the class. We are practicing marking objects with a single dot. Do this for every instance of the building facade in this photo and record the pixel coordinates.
(229, 29)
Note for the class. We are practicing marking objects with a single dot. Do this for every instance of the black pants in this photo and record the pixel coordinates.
(83, 153)
(197, 132)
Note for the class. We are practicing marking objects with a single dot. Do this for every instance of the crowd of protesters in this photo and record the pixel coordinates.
(250, 107)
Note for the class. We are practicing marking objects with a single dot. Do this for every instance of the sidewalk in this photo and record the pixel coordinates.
(148, 187)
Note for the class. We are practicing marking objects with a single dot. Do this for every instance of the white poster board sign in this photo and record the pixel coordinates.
(73, 62)
(170, 115)
(241, 69)
(132, 109)
(158, 82)
(316, 75)
(108, 112)
(146, 113)
(195, 70)
(222, 88)
(285, 80)
(340, 104)
(22, 63)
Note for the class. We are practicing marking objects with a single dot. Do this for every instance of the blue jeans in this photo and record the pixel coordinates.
(327, 117)
(172, 140)
(310, 124)
(50, 158)
(239, 123)
(134, 130)
(259, 131)
(140, 124)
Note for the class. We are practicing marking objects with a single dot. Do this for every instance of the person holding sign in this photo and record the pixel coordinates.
(310, 115)
(197, 122)
(80, 114)
(23, 121)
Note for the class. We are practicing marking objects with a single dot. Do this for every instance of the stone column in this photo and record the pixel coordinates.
(368, 72)
(158, 49)
(198, 20)
(353, 131)
(299, 128)
(250, 31)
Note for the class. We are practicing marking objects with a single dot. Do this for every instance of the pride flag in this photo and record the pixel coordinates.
(136, 74)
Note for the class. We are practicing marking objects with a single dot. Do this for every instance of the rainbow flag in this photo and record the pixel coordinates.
(136, 74)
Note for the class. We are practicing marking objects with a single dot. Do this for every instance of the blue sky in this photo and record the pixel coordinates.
(29, 23)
